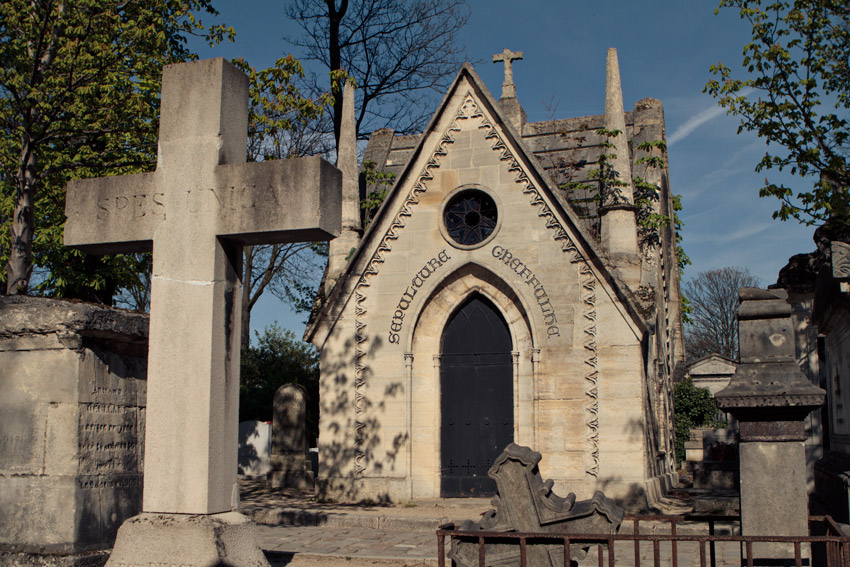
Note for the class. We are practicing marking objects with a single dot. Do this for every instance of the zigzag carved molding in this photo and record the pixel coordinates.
(469, 110)
(588, 282)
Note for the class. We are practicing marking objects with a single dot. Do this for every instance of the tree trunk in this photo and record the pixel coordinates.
(335, 57)
(19, 266)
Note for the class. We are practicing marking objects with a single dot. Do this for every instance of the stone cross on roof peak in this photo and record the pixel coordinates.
(508, 56)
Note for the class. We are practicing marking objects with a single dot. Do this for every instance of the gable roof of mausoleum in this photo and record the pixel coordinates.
(370, 249)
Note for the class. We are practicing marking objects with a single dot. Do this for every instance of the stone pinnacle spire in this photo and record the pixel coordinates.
(619, 226)
(615, 119)
(346, 160)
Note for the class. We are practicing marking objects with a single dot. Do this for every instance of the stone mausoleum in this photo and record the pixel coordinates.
(501, 294)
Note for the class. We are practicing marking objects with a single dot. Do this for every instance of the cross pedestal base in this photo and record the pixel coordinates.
(187, 540)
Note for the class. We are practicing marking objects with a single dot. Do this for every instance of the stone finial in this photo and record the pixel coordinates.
(508, 57)
(346, 162)
(619, 225)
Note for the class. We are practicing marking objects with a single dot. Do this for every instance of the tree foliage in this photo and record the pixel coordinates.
(713, 299)
(399, 52)
(277, 359)
(79, 97)
(285, 121)
(692, 407)
(795, 95)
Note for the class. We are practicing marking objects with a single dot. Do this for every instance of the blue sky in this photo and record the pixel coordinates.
(665, 49)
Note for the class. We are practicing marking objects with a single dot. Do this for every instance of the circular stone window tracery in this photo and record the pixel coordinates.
(470, 218)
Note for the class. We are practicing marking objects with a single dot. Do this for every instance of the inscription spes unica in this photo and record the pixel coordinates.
(416, 282)
(525, 274)
(221, 199)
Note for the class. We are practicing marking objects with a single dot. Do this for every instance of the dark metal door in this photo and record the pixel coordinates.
(476, 380)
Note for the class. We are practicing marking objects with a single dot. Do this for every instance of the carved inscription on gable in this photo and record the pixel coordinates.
(416, 282)
(527, 276)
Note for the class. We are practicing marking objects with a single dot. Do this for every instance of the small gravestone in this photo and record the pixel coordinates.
(254, 448)
(525, 503)
(290, 459)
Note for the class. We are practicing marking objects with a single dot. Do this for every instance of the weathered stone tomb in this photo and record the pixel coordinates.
(495, 299)
(72, 424)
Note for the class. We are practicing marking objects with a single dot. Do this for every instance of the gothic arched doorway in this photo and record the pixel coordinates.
(476, 383)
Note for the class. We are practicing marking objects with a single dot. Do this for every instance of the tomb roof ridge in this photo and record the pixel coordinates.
(325, 315)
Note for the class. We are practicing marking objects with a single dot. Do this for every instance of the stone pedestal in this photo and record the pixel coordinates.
(770, 397)
(72, 421)
(202, 540)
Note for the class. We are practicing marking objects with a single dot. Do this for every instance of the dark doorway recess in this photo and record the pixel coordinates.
(477, 400)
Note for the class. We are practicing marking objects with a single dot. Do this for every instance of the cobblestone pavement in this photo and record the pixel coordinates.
(308, 546)
(291, 546)
(297, 531)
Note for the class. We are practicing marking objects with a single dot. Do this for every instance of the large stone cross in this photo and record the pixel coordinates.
(508, 56)
(196, 211)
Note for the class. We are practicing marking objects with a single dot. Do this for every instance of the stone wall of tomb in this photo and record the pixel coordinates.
(72, 417)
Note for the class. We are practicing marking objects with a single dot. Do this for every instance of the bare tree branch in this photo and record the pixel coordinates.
(713, 296)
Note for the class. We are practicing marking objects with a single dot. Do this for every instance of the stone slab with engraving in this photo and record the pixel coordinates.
(525, 503)
(72, 422)
(195, 212)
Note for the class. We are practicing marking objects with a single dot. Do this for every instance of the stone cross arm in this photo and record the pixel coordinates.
(251, 203)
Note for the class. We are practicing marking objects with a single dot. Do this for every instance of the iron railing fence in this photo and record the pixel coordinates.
(829, 548)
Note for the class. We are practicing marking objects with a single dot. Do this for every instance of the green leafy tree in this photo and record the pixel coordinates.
(795, 95)
(692, 407)
(285, 120)
(79, 97)
(278, 358)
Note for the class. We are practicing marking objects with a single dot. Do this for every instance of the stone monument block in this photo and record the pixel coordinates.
(72, 422)
(254, 448)
(290, 459)
(770, 397)
(525, 503)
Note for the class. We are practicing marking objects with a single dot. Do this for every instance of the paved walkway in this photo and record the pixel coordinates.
(296, 531)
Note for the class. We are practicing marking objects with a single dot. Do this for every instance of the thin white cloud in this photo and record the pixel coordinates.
(744, 232)
(698, 120)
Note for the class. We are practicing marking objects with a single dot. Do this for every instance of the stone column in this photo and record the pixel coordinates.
(770, 397)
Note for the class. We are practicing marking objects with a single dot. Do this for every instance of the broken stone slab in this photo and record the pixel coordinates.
(525, 503)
